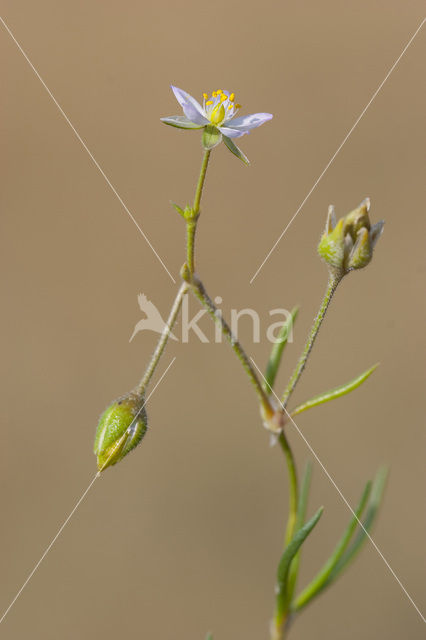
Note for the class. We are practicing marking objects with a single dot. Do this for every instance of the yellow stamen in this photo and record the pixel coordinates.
(214, 94)
(232, 97)
(209, 102)
(238, 106)
(219, 91)
(205, 96)
(223, 97)
(230, 106)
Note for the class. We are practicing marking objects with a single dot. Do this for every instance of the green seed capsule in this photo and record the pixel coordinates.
(121, 427)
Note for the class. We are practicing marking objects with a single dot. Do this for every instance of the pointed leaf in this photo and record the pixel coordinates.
(277, 351)
(181, 122)
(286, 558)
(178, 208)
(377, 490)
(300, 520)
(337, 392)
(321, 580)
(211, 137)
(235, 150)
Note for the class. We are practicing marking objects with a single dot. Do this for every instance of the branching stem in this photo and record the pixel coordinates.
(202, 295)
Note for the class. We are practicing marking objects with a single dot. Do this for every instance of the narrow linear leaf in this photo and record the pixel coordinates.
(377, 490)
(286, 558)
(300, 520)
(178, 208)
(337, 392)
(321, 580)
(304, 494)
(235, 150)
(277, 350)
(181, 122)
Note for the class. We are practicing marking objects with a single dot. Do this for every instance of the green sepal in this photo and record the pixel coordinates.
(181, 122)
(331, 246)
(337, 392)
(362, 251)
(300, 520)
(120, 429)
(286, 559)
(323, 577)
(277, 351)
(235, 150)
(211, 137)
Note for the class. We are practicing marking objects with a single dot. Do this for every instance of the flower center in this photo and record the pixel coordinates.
(220, 107)
(218, 114)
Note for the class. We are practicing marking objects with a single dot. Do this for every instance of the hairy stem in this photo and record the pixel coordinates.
(333, 283)
(191, 226)
(174, 312)
(191, 223)
(216, 315)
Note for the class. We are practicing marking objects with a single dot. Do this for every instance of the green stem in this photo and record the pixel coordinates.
(293, 488)
(280, 619)
(333, 283)
(200, 183)
(216, 315)
(302, 505)
(278, 631)
(174, 311)
(191, 227)
(191, 222)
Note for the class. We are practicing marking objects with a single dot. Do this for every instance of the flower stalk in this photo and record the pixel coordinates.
(202, 295)
(333, 282)
(192, 214)
(165, 334)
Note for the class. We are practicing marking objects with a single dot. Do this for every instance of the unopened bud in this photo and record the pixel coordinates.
(349, 243)
(185, 273)
(121, 427)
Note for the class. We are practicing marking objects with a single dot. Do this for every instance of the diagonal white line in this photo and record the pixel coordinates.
(70, 515)
(48, 548)
(344, 499)
(337, 151)
(86, 148)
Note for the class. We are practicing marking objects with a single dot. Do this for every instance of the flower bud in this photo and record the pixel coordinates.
(349, 243)
(121, 427)
(185, 273)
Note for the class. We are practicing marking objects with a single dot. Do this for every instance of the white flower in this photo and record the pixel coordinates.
(217, 116)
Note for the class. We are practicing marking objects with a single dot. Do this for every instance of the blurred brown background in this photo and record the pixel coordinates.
(185, 535)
